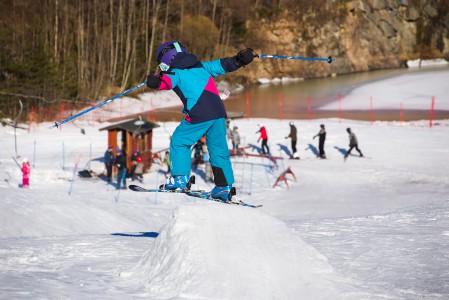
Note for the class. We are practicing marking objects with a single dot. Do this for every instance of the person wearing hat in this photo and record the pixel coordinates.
(109, 162)
(193, 81)
(322, 138)
(353, 143)
(120, 164)
(264, 137)
(138, 171)
(26, 170)
(294, 138)
(134, 157)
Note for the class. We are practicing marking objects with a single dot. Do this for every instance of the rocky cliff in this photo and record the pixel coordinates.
(362, 35)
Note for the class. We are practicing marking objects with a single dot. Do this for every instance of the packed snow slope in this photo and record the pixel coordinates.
(377, 223)
(373, 227)
(216, 251)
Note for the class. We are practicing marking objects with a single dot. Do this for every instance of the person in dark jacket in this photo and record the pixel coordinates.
(294, 138)
(134, 157)
(322, 138)
(193, 81)
(120, 164)
(109, 162)
(353, 143)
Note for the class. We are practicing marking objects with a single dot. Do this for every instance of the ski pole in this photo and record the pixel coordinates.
(98, 105)
(330, 59)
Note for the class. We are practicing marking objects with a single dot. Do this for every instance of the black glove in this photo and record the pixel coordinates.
(153, 81)
(244, 57)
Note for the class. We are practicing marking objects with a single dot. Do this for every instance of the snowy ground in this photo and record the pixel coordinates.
(413, 91)
(367, 228)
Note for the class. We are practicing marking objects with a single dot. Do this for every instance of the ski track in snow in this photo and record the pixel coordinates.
(408, 247)
(70, 267)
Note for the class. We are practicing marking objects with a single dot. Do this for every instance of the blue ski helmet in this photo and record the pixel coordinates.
(167, 52)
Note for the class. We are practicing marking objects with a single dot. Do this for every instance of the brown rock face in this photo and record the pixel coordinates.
(362, 35)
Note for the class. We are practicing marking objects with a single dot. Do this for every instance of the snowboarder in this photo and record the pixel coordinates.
(293, 137)
(26, 170)
(109, 162)
(120, 163)
(193, 82)
(264, 137)
(353, 143)
(322, 138)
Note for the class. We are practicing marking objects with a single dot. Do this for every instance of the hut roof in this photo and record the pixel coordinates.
(132, 125)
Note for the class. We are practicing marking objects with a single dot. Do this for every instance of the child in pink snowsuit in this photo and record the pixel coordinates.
(26, 170)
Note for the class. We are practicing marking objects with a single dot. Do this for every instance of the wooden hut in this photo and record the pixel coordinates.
(130, 135)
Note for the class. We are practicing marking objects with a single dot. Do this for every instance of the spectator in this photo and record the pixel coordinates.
(228, 130)
(235, 139)
(322, 138)
(134, 157)
(167, 161)
(353, 143)
(26, 170)
(138, 171)
(109, 162)
(293, 137)
(264, 137)
(197, 154)
(120, 163)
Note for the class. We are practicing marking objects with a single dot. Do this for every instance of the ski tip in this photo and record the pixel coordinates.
(135, 188)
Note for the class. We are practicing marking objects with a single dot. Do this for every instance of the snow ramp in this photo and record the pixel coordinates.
(216, 251)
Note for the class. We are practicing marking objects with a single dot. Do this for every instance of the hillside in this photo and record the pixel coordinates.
(75, 52)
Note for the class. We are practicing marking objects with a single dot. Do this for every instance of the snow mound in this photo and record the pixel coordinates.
(216, 251)
(426, 63)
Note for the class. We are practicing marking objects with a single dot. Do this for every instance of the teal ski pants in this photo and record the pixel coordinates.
(186, 135)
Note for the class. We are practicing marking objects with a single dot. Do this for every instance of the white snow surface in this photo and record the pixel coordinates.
(368, 228)
(247, 255)
(413, 90)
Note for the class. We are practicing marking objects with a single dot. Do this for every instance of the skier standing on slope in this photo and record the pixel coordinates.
(353, 143)
(120, 163)
(293, 136)
(26, 170)
(322, 138)
(193, 82)
(264, 137)
(109, 162)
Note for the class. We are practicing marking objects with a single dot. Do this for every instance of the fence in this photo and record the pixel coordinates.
(304, 109)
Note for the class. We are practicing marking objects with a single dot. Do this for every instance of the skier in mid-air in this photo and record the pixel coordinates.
(192, 80)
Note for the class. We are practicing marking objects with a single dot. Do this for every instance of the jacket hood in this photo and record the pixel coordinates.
(184, 61)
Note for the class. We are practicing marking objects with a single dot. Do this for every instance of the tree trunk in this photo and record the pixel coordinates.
(156, 7)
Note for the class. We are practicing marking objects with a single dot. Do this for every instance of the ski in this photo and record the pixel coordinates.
(193, 193)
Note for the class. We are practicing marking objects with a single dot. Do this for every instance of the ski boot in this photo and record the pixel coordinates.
(181, 182)
(223, 193)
